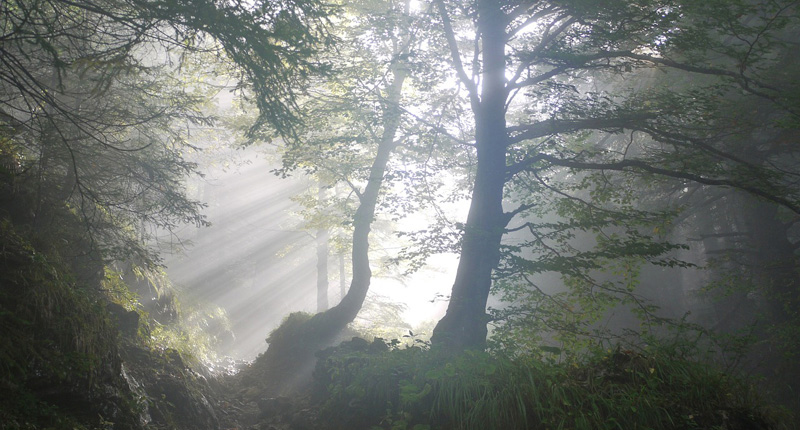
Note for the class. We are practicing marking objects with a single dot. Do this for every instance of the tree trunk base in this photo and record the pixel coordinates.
(287, 365)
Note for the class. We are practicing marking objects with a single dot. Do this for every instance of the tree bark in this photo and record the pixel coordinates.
(464, 324)
(342, 281)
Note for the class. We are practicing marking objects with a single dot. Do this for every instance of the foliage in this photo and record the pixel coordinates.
(194, 329)
(189, 335)
(578, 107)
(380, 317)
(289, 326)
(99, 102)
(100, 99)
(576, 254)
(370, 386)
(58, 341)
(63, 344)
(363, 109)
(352, 142)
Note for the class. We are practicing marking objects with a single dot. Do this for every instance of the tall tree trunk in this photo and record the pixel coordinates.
(775, 268)
(464, 324)
(775, 265)
(342, 280)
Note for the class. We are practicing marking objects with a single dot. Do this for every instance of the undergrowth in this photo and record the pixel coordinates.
(193, 329)
(62, 340)
(57, 341)
(367, 387)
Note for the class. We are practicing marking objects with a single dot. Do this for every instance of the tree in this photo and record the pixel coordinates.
(358, 113)
(98, 122)
(559, 56)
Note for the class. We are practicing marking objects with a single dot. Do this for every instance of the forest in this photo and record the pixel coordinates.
(538, 214)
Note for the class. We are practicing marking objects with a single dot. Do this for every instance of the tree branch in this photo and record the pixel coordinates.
(639, 165)
(521, 133)
(455, 54)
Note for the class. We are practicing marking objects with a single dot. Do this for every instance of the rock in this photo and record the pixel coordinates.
(127, 321)
(177, 397)
(304, 419)
(274, 406)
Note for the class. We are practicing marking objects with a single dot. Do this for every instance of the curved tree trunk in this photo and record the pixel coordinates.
(291, 356)
(336, 318)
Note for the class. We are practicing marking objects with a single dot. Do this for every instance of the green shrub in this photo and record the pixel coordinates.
(288, 328)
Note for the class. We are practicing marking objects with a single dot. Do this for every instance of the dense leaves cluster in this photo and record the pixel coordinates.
(96, 114)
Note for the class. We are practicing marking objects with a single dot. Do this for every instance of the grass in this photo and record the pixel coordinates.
(416, 388)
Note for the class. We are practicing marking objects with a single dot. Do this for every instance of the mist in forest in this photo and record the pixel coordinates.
(370, 214)
(256, 260)
(249, 261)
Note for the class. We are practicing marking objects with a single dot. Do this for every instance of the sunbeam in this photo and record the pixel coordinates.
(254, 260)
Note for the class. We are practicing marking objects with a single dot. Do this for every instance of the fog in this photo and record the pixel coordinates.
(257, 262)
